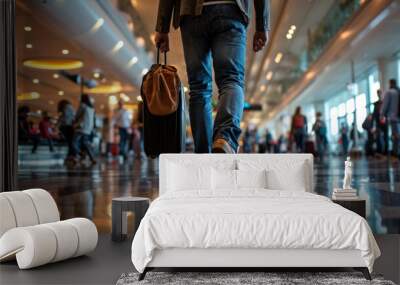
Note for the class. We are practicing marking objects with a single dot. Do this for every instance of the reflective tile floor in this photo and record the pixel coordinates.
(87, 190)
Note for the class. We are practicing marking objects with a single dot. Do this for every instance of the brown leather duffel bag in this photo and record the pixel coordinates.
(161, 87)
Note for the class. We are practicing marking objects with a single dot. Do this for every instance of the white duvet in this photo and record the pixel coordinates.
(250, 219)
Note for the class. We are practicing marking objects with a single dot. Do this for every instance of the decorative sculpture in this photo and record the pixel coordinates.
(348, 172)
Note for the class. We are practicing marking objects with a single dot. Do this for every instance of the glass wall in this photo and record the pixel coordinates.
(344, 107)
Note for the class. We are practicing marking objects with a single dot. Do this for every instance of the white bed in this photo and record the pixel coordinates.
(200, 223)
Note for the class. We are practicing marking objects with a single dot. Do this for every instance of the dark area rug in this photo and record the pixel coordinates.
(273, 278)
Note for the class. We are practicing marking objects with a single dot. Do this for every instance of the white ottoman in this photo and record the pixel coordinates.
(31, 232)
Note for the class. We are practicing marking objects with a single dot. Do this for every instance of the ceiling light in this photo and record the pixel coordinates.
(56, 76)
(97, 25)
(290, 32)
(117, 46)
(28, 96)
(133, 60)
(104, 89)
(27, 28)
(144, 71)
(65, 51)
(130, 26)
(139, 98)
(293, 27)
(35, 81)
(310, 74)
(289, 36)
(124, 97)
(140, 41)
(96, 74)
(112, 100)
(60, 93)
(263, 88)
(278, 57)
(28, 46)
(269, 75)
(345, 35)
(53, 63)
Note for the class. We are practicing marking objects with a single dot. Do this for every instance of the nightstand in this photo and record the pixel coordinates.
(357, 206)
(120, 206)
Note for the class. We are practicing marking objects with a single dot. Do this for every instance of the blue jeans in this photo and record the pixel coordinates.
(218, 37)
(123, 141)
(395, 127)
(81, 142)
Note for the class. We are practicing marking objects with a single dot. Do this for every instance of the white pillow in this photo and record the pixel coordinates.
(282, 174)
(293, 179)
(251, 178)
(224, 179)
(183, 177)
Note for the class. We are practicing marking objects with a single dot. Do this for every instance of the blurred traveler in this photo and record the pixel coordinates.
(122, 121)
(84, 126)
(34, 135)
(352, 136)
(214, 31)
(268, 141)
(279, 144)
(46, 131)
(255, 139)
(344, 138)
(136, 141)
(320, 132)
(247, 141)
(65, 123)
(381, 127)
(368, 126)
(106, 138)
(391, 112)
(23, 124)
(299, 129)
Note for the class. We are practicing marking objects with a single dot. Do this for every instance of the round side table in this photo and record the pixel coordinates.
(120, 207)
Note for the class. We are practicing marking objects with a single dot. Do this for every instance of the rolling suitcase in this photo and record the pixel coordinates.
(164, 127)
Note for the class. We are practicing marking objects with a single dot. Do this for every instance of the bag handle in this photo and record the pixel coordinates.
(158, 57)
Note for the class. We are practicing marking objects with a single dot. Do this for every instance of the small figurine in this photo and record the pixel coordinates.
(348, 172)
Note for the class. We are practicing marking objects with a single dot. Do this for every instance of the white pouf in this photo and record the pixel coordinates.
(31, 232)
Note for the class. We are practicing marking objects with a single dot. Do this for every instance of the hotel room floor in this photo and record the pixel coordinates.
(110, 259)
(87, 192)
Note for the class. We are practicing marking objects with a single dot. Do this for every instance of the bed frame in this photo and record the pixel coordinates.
(249, 259)
(246, 259)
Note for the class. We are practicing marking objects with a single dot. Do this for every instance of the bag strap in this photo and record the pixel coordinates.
(158, 57)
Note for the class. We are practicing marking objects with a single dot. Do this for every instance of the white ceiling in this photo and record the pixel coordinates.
(378, 40)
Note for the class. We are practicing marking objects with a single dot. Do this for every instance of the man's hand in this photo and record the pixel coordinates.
(260, 39)
(162, 41)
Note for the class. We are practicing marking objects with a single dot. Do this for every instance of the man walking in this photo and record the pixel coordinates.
(214, 33)
(123, 122)
(391, 112)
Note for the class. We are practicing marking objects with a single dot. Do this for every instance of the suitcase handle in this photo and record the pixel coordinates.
(158, 57)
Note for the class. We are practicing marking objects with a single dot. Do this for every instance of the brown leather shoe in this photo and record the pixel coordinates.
(222, 146)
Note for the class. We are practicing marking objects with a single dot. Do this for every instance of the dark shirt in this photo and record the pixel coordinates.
(181, 8)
